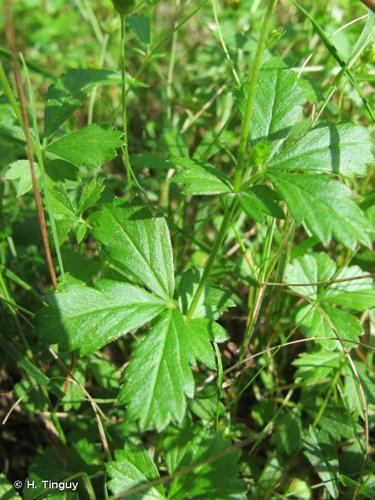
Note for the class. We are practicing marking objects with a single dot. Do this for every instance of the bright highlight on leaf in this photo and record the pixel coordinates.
(85, 319)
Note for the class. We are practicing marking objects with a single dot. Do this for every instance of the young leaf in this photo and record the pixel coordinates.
(133, 467)
(90, 194)
(138, 244)
(278, 105)
(338, 149)
(210, 478)
(88, 147)
(322, 454)
(86, 318)
(200, 178)
(324, 205)
(259, 202)
(159, 377)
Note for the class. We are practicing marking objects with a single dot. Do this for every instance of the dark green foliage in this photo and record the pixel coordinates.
(207, 191)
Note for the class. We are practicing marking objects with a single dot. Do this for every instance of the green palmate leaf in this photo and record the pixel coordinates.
(19, 172)
(324, 205)
(86, 318)
(278, 105)
(316, 366)
(88, 147)
(159, 377)
(137, 244)
(215, 472)
(339, 149)
(133, 467)
(68, 93)
(200, 178)
(321, 452)
(259, 202)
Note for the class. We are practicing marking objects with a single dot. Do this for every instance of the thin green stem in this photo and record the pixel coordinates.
(253, 78)
(260, 291)
(223, 44)
(156, 47)
(103, 51)
(171, 67)
(211, 260)
(344, 65)
(9, 94)
(220, 378)
(123, 103)
(240, 159)
(323, 406)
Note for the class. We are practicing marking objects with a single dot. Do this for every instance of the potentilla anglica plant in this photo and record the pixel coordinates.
(206, 172)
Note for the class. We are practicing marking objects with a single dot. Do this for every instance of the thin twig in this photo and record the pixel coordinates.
(11, 39)
(319, 283)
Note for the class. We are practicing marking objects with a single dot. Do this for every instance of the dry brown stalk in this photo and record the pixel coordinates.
(11, 39)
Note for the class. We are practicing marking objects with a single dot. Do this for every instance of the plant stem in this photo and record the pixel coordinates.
(211, 259)
(253, 78)
(41, 164)
(240, 159)
(260, 291)
(223, 44)
(172, 61)
(11, 38)
(123, 103)
(9, 94)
